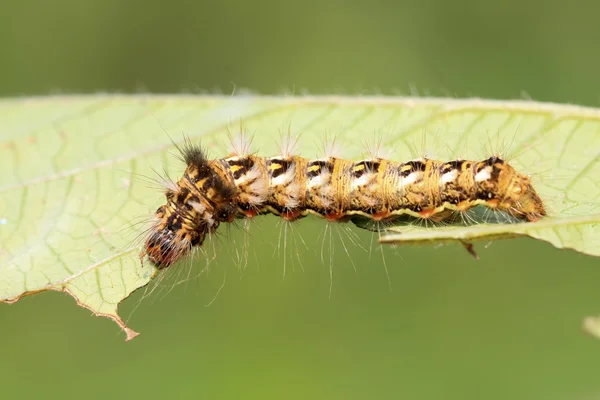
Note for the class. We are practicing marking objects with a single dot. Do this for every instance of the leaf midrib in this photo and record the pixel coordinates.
(498, 228)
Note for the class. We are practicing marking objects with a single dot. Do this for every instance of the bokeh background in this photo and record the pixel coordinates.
(505, 327)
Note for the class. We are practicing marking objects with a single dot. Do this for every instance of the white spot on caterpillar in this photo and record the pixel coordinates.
(253, 174)
(200, 208)
(285, 178)
(409, 180)
(315, 181)
(483, 175)
(449, 177)
(362, 181)
(319, 180)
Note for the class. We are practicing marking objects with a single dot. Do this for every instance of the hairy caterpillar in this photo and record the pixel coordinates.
(212, 192)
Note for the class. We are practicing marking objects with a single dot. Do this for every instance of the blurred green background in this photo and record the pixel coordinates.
(505, 327)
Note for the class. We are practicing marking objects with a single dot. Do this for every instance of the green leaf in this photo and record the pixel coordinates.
(76, 171)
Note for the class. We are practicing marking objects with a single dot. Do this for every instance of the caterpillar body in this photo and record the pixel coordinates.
(212, 192)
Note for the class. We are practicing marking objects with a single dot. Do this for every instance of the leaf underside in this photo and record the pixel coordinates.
(72, 193)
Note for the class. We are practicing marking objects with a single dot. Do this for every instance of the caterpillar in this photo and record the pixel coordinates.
(212, 192)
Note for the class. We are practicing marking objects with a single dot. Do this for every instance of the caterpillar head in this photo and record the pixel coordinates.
(177, 229)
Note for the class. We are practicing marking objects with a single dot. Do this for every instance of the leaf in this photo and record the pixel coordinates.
(76, 170)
